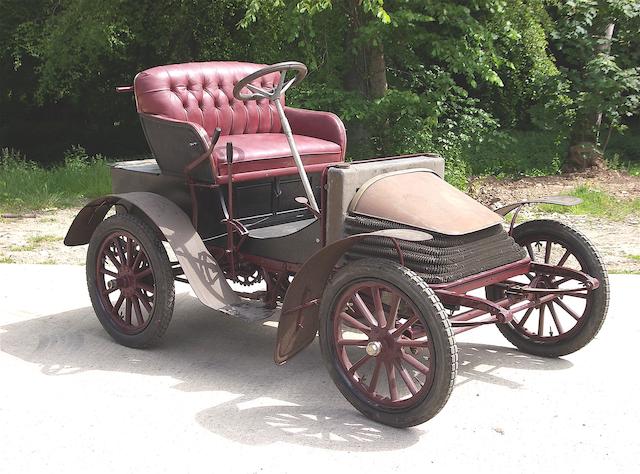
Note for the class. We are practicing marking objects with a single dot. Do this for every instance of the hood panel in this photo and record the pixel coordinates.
(419, 198)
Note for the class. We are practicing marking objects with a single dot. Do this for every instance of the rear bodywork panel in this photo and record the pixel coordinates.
(201, 269)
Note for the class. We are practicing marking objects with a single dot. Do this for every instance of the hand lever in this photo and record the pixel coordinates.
(305, 202)
(216, 136)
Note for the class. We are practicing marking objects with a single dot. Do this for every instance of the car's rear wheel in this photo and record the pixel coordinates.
(130, 281)
(569, 322)
(387, 342)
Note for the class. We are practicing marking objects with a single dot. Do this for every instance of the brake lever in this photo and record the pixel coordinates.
(215, 137)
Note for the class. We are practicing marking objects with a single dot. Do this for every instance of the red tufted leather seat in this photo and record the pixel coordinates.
(201, 95)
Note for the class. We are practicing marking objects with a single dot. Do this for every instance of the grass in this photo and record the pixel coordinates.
(634, 257)
(598, 204)
(46, 238)
(6, 259)
(34, 242)
(25, 185)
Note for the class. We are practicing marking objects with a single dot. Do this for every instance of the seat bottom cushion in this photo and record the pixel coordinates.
(270, 151)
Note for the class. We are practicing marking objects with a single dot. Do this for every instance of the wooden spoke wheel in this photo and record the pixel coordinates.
(387, 342)
(568, 322)
(130, 281)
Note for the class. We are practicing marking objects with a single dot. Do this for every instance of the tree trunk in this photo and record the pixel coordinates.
(367, 76)
(377, 72)
(604, 47)
(584, 149)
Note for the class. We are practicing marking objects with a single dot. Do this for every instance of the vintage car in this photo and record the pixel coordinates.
(382, 258)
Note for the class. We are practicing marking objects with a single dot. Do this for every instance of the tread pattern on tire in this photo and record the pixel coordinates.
(571, 345)
(440, 315)
(164, 297)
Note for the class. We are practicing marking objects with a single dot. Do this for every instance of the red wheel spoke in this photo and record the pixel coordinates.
(405, 342)
(129, 250)
(561, 281)
(541, 321)
(564, 258)
(144, 299)
(404, 326)
(530, 250)
(127, 312)
(138, 311)
(547, 252)
(115, 248)
(408, 380)
(363, 310)
(525, 317)
(352, 342)
(375, 376)
(138, 259)
(359, 364)
(110, 290)
(121, 250)
(116, 307)
(556, 320)
(144, 286)
(391, 378)
(354, 323)
(144, 273)
(113, 258)
(378, 308)
(571, 312)
(415, 363)
(104, 271)
(393, 310)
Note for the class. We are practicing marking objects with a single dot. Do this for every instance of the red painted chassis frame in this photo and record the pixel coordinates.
(453, 295)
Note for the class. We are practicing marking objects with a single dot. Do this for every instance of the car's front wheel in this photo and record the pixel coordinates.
(387, 342)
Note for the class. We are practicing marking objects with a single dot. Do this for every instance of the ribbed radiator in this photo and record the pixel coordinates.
(443, 259)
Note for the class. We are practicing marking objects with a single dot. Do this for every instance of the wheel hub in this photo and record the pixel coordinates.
(374, 348)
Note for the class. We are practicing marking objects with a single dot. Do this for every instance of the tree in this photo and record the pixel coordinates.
(599, 88)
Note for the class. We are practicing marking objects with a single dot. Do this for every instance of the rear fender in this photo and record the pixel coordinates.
(517, 206)
(200, 268)
(558, 200)
(299, 319)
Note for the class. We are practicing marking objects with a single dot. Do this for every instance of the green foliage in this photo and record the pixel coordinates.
(516, 153)
(24, 185)
(625, 145)
(597, 203)
(456, 72)
(595, 78)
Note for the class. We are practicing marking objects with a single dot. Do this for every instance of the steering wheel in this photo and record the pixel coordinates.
(277, 91)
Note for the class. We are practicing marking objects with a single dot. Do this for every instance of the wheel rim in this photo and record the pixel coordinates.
(563, 316)
(383, 348)
(125, 281)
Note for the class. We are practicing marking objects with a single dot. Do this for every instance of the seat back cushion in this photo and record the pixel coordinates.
(202, 93)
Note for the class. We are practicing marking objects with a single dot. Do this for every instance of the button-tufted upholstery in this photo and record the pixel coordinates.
(201, 94)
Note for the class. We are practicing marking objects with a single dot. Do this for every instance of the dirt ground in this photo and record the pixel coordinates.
(494, 192)
(38, 239)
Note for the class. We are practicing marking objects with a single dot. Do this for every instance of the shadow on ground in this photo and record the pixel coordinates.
(265, 403)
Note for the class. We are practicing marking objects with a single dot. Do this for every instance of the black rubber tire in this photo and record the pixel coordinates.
(592, 264)
(162, 310)
(432, 314)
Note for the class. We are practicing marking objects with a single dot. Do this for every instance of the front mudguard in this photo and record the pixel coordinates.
(299, 319)
(200, 268)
